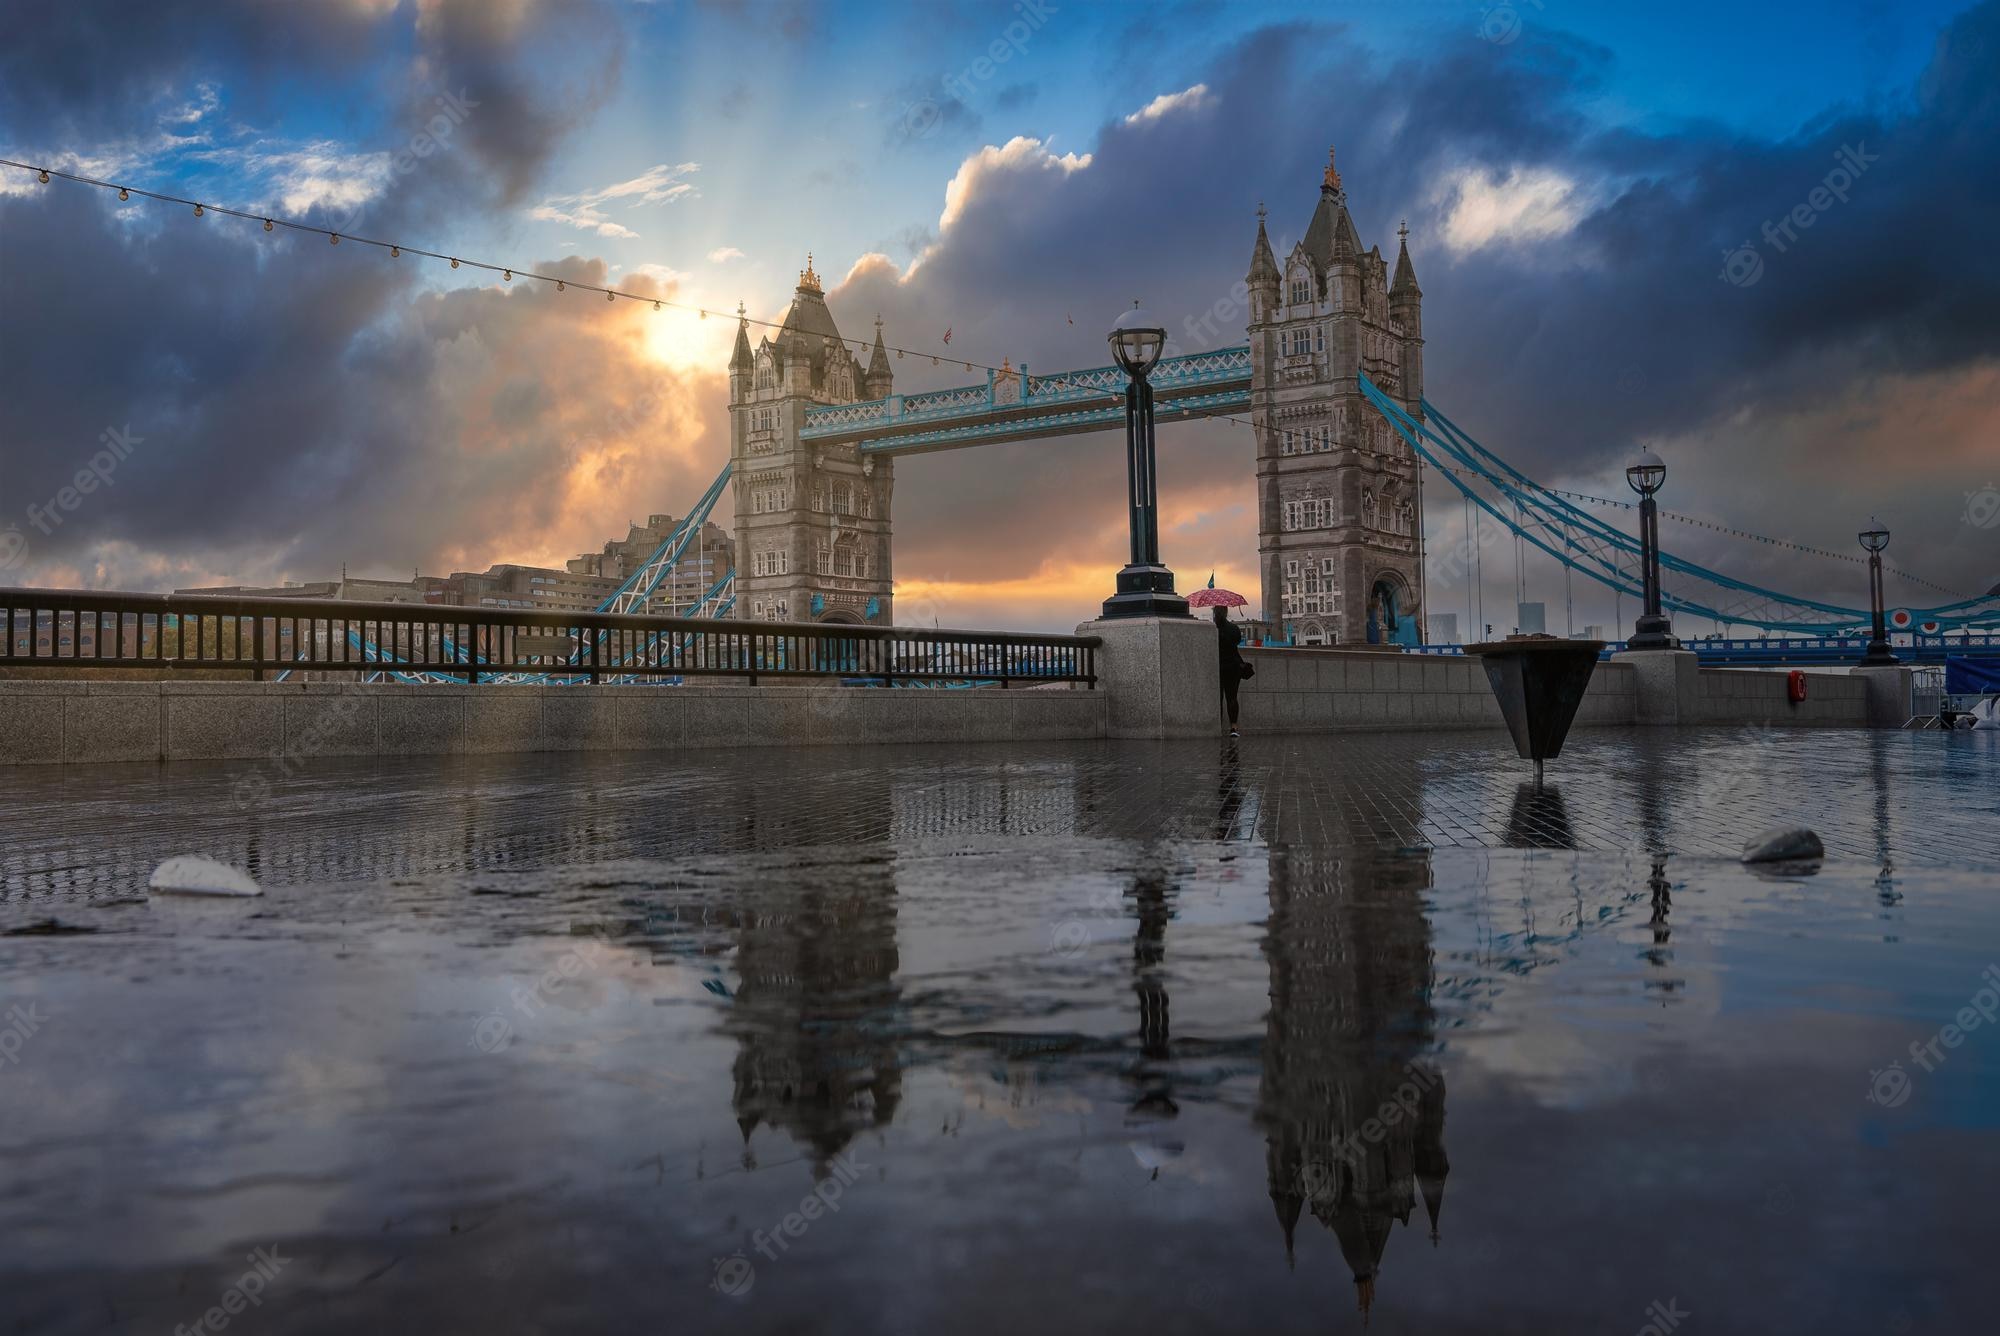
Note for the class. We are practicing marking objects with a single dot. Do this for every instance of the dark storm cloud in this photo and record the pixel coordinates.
(78, 70)
(1560, 351)
(289, 398)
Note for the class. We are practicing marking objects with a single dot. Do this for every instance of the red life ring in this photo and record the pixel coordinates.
(1795, 686)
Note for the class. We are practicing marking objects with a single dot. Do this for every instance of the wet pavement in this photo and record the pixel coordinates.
(1292, 1035)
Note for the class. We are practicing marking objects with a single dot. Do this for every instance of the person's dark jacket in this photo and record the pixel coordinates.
(1228, 658)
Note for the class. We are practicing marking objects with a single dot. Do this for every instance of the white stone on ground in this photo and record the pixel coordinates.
(191, 874)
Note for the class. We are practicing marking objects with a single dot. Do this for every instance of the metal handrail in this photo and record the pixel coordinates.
(223, 633)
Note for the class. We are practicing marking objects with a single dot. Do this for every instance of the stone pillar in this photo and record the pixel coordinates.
(1668, 684)
(1160, 675)
(1888, 690)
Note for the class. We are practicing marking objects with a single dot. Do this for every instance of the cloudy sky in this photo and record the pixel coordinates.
(1575, 177)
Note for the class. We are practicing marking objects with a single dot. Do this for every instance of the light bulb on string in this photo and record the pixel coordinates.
(123, 193)
(610, 296)
(560, 285)
(267, 224)
(197, 210)
(43, 176)
(657, 306)
(507, 274)
(333, 238)
(454, 262)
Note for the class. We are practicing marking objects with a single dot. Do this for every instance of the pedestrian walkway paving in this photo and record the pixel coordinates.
(1907, 799)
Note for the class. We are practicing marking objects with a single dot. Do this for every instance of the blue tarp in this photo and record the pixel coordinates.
(1970, 677)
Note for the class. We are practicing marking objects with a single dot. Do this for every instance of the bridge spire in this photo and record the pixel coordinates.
(1263, 265)
(1330, 182)
(741, 360)
(880, 381)
(1405, 282)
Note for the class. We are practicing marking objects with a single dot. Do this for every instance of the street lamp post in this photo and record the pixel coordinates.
(1652, 630)
(1145, 587)
(1875, 538)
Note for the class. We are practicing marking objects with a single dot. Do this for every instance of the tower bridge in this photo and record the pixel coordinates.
(815, 430)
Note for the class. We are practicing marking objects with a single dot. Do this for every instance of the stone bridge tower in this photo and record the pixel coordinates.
(812, 522)
(1339, 500)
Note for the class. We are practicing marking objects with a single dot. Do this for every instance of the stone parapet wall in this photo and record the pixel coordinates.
(83, 722)
(1320, 690)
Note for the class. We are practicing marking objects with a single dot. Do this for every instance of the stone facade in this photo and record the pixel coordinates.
(812, 521)
(1340, 504)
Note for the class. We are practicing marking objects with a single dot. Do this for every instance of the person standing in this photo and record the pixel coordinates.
(1229, 663)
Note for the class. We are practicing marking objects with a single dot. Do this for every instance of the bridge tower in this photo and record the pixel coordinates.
(812, 521)
(1339, 501)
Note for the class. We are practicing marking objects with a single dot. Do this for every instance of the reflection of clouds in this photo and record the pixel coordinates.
(1015, 1093)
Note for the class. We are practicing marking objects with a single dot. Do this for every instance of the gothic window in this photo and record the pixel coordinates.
(843, 499)
(823, 559)
(1284, 343)
(1319, 333)
(819, 497)
(868, 503)
(1301, 292)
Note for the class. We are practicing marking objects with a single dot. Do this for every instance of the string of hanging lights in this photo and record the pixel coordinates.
(270, 223)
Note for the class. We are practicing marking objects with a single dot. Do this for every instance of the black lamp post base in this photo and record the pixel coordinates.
(1146, 591)
(1652, 632)
(1879, 655)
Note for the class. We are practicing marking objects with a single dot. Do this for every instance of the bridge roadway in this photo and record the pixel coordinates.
(1017, 405)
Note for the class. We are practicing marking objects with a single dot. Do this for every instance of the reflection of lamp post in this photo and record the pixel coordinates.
(1145, 587)
(1652, 630)
(1875, 538)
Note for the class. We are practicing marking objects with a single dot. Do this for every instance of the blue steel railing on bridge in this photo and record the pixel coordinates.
(1806, 650)
(75, 630)
(1029, 400)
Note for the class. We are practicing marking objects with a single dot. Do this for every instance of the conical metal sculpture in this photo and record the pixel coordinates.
(1539, 682)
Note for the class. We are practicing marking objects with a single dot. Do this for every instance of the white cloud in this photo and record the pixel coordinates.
(206, 99)
(724, 254)
(1166, 104)
(660, 184)
(1018, 154)
(315, 174)
(662, 273)
(587, 219)
(1529, 204)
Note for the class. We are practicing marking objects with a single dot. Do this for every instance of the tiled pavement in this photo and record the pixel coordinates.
(1910, 799)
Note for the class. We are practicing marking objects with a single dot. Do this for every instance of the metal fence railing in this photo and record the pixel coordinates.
(259, 637)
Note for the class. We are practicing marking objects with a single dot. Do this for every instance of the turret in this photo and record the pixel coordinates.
(742, 365)
(881, 381)
(1263, 277)
(1406, 308)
